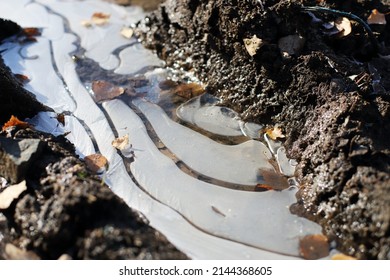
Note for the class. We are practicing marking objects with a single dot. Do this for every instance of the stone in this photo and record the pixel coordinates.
(10, 194)
(16, 156)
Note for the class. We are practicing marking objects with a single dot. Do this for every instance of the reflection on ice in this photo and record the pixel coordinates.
(199, 216)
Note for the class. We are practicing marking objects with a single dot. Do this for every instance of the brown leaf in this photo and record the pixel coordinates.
(376, 18)
(22, 78)
(313, 247)
(338, 257)
(96, 163)
(61, 118)
(189, 90)
(105, 90)
(100, 18)
(15, 122)
(273, 180)
(31, 32)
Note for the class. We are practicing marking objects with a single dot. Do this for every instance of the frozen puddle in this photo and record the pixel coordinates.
(210, 198)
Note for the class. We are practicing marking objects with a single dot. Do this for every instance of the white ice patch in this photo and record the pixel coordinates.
(204, 220)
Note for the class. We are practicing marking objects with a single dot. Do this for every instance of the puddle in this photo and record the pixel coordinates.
(214, 185)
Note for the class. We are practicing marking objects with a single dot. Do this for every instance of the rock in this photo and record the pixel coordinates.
(10, 194)
(16, 156)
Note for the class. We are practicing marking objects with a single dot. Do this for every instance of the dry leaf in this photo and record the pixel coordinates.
(121, 143)
(273, 180)
(96, 163)
(100, 18)
(189, 90)
(313, 247)
(253, 44)
(376, 18)
(127, 32)
(22, 78)
(15, 122)
(10, 194)
(344, 26)
(337, 257)
(61, 118)
(86, 23)
(105, 90)
(275, 133)
(31, 32)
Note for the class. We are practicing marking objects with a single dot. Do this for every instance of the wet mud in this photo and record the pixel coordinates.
(329, 92)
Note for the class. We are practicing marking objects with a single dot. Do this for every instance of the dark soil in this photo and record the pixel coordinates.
(331, 97)
(66, 212)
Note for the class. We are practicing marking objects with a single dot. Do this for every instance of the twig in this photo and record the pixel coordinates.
(371, 35)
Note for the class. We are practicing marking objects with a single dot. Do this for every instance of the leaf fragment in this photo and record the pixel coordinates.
(338, 257)
(96, 163)
(104, 90)
(127, 32)
(253, 44)
(121, 143)
(275, 133)
(189, 90)
(15, 122)
(10, 194)
(313, 247)
(376, 18)
(100, 18)
(23, 79)
(343, 24)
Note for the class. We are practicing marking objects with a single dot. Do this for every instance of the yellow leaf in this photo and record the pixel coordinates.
(100, 18)
(121, 143)
(253, 44)
(337, 257)
(275, 133)
(127, 32)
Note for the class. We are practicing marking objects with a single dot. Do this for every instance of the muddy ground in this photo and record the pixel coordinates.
(329, 92)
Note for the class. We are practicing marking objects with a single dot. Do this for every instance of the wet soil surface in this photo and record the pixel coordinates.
(63, 211)
(328, 91)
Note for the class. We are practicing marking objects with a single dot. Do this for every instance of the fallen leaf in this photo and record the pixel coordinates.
(100, 18)
(253, 44)
(189, 90)
(10, 194)
(86, 23)
(273, 180)
(31, 32)
(105, 90)
(127, 32)
(61, 118)
(121, 143)
(313, 247)
(263, 187)
(22, 78)
(14, 253)
(344, 26)
(15, 122)
(275, 133)
(96, 163)
(376, 18)
(338, 257)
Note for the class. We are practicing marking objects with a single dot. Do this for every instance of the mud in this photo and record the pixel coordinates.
(331, 96)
